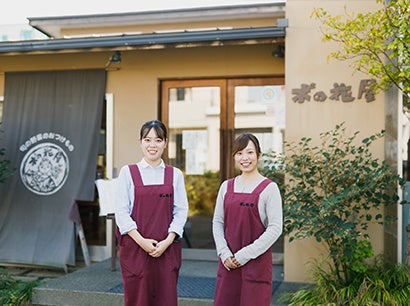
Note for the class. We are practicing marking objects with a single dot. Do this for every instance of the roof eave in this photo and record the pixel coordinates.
(131, 41)
(51, 26)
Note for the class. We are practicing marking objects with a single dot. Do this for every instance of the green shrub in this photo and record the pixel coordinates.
(382, 284)
(333, 192)
(202, 191)
(15, 292)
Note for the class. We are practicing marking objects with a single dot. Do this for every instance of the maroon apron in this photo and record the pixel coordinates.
(150, 281)
(252, 283)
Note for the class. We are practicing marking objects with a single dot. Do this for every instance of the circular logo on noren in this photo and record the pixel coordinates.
(44, 169)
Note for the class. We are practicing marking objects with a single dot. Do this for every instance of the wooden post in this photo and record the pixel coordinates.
(113, 242)
(83, 242)
(74, 216)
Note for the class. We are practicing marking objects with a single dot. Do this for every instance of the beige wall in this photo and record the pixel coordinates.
(307, 63)
(135, 86)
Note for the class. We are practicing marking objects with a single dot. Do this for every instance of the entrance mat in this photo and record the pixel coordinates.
(194, 287)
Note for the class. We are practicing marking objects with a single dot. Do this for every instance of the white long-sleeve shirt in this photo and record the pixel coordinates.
(270, 212)
(150, 176)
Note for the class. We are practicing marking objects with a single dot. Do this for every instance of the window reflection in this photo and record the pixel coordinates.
(194, 129)
(261, 110)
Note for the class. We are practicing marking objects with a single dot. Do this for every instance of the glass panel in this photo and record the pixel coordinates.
(194, 148)
(260, 110)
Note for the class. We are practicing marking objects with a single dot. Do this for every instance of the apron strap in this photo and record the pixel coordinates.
(230, 185)
(169, 175)
(262, 185)
(136, 175)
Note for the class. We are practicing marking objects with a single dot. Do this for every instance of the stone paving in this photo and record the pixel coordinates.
(88, 286)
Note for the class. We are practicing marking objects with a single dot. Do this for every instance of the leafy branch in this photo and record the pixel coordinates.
(378, 42)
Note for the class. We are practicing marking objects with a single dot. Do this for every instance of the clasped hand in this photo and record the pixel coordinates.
(231, 263)
(153, 247)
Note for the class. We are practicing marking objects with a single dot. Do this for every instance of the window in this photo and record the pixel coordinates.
(180, 94)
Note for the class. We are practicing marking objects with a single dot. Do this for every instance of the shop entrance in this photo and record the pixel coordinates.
(204, 117)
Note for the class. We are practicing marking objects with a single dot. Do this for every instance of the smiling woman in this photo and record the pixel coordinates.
(246, 223)
(151, 211)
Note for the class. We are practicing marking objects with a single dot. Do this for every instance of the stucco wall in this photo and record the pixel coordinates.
(307, 63)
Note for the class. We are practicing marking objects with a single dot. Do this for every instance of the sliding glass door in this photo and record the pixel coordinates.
(203, 117)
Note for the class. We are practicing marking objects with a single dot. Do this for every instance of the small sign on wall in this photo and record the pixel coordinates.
(339, 92)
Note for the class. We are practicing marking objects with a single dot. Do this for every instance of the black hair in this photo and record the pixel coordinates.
(158, 127)
(242, 141)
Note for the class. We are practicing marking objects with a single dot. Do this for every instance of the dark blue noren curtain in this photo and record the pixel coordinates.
(50, 131)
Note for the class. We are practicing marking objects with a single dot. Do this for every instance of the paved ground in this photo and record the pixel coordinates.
(98, 285)
(88, 286)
